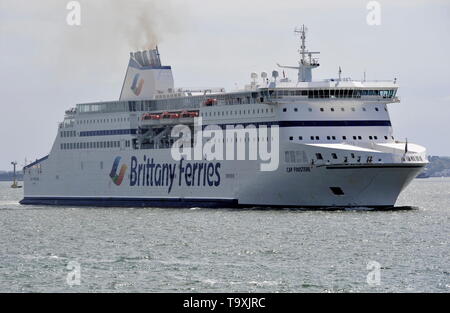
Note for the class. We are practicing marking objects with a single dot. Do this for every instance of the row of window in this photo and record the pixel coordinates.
(369, 159)
(334, 156)
(104, 120)
(412, 158)
(68, 133)
(334, 110)
(93, 145)
(109, 132)
(237, 112)
(349, 93)
(330, 93)
(343, 138)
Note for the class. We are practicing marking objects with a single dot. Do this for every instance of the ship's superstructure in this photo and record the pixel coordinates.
(335, 144)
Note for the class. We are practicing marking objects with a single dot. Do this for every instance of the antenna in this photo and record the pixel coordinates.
(340, 73)
(275, 74)
(301, 32)
(254, 77)
(264, 77)
(306, 62)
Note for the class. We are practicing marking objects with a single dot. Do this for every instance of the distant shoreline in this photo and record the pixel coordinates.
(9, 176)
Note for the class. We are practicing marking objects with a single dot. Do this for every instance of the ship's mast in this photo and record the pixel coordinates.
(307, 62)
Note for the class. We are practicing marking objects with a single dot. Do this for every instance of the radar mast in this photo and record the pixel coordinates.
(307, 62)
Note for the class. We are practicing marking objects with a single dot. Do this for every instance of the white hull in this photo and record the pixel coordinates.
(64, 181)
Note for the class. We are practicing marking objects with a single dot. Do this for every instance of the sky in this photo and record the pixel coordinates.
(48, 66)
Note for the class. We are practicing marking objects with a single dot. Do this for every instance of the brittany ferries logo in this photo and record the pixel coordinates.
(137, 85)
(118, 178)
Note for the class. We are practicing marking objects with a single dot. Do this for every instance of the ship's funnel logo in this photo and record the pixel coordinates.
(117, 179)
(137, 85)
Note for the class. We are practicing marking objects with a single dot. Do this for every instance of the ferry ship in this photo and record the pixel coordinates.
(333, 138)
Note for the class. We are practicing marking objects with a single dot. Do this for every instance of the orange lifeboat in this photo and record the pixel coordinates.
(210, 102)
(185, 114)
(165, 115)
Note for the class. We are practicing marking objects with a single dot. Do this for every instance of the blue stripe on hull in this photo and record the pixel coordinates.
(172, 203)
(337, 123)
(131, 202)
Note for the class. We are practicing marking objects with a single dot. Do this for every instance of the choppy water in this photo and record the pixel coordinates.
(203, 250)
